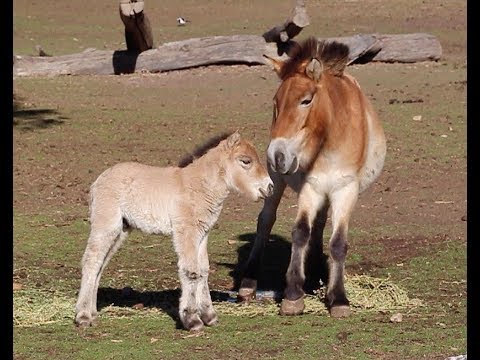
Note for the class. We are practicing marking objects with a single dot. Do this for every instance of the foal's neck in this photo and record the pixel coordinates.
(208, 170)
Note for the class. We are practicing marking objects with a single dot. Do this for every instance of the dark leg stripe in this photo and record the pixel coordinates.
(295, 277)
(301, 232)
(338, 245)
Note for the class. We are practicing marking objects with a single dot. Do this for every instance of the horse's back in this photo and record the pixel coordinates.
(375, 150)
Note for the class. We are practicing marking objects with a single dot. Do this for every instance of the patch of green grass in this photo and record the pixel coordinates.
(364, 336)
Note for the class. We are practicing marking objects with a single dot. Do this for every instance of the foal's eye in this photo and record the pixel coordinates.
(245, 161)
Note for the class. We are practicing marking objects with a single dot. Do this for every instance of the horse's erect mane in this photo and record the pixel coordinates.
(333, 56)
(202, 149)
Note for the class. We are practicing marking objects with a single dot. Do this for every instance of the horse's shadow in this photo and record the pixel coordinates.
(272, 278)
(275, 263)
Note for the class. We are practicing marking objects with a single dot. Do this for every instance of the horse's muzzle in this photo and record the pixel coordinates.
(283, 164)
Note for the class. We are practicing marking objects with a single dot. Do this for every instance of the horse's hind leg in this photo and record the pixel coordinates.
(265, 222)
(100, 243)
(343, 202)
(316, 266)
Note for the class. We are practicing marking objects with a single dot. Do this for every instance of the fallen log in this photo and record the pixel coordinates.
(223, 50)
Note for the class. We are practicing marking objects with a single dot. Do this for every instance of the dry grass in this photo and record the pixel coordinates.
(39, 307)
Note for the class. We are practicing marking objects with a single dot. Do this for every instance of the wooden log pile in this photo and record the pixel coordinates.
(220, 50)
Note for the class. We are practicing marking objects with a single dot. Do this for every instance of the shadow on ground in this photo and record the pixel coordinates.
(165, 300)
(32, 119)
(272, 278)
(275, 264)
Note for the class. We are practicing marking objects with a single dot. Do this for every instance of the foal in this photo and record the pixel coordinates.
(184, 202)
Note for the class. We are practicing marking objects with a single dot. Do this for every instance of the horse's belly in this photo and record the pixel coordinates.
(330, 181)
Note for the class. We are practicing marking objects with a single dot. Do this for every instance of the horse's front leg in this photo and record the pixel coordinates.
(342, 201)
(309, 201)
(204, 300)
(265, 222)
(187, 247)
(316, 265)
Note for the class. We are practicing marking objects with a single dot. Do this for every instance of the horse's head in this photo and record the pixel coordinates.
(300, 114)
(244, 172)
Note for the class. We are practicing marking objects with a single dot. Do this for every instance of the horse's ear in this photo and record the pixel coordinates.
(314, 69)
(276, 65)
(233, 139)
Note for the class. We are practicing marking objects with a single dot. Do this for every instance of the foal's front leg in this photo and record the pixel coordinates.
(204, 300)
(187, 247)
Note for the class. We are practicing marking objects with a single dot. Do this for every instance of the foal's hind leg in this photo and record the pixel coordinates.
(100, 243)
(117, 244)
(265, 222)
(343, 202)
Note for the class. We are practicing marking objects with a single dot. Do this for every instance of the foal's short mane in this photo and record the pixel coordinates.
(333, 56)
(202, 149)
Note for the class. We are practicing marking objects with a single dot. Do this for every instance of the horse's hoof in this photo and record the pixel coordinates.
(340, 311)
(248, 288)
(292, 307)
(246, 295)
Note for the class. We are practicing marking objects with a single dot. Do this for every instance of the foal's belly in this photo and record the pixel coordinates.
(153, 220)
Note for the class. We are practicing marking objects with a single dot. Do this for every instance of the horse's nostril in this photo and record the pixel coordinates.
(279, 160)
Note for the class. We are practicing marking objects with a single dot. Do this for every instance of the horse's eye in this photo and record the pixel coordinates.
(306, 101)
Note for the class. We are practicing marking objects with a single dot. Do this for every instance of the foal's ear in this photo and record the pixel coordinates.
(233, 139)
(276, 65)
(314, 69)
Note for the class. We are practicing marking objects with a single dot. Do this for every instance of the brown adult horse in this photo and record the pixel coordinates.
(328, 145)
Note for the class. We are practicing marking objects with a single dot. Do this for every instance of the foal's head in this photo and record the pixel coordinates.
(300, 104)
(244, 172)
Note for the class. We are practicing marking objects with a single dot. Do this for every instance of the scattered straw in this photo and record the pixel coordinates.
(34, 307)
(374, 294)
(39, 307)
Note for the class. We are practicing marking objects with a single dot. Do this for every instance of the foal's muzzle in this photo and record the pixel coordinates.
(267, 192)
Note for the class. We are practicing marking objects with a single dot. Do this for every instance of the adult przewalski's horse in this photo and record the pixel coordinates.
(328, 145)
(184, 202)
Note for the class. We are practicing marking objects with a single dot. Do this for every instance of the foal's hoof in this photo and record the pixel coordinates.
(193, 323)
(292, 307)
(84, 321)
(340, 311)
(210, 318)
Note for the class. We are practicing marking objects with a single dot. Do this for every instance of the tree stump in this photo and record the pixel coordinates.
(138, 32)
